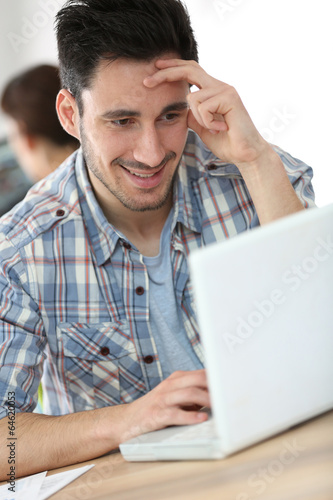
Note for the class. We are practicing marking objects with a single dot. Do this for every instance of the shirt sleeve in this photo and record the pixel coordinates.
(22, 338)
(300, 176)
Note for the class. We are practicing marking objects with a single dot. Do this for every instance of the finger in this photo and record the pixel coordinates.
(213, 113)
(174, 63)
(198, 129)
(194, 75)
(168, 63)
(158, 418)
(220, 90)
(175, 416)
(209, 106)
(183, 417)
(215, 122)
(187, 397)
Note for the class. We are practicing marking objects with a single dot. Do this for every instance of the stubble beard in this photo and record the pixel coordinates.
(91, 163)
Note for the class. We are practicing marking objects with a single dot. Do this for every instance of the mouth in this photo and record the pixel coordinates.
(143, 176)
(143, 179)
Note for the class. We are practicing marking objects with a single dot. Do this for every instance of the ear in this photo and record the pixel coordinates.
(68, 113)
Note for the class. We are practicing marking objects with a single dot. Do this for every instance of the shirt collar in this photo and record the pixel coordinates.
(187, 211)
(103, 236)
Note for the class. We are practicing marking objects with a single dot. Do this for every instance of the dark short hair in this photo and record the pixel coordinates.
(89, 31)
(30, 98)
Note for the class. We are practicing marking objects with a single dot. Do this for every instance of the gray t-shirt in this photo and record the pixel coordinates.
(173, 347)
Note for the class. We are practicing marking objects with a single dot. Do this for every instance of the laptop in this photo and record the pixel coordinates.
(265, 310)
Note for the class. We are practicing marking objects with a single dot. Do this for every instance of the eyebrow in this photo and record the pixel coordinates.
(118, 114)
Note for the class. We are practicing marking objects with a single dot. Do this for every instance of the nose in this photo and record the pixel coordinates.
(148, 147)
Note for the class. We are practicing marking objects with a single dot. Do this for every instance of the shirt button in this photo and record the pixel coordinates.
(140, 290)
(212, 167)
(60, 213)
(148, 359)
(127, 245)
(104, 351)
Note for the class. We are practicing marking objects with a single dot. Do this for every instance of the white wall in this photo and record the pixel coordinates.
(277, 53)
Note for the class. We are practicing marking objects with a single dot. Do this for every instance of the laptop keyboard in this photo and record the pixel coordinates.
(204, 430)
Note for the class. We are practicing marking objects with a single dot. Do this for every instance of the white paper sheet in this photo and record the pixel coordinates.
(52, 484)
(28, 487)
(39, 486)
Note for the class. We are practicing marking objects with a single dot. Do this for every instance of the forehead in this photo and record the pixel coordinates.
(120, 83)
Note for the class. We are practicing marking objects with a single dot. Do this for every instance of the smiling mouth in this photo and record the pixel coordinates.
(143, 176)
(143, 171)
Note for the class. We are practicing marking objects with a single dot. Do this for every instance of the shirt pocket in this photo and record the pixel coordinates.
(100, 365)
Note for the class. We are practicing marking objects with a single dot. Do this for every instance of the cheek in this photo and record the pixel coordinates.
(177, 138)
(116, 146)
(106, 145)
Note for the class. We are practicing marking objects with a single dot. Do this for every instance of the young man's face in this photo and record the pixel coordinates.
(132, 136)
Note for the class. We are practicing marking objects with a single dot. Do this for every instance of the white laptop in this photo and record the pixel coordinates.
(265, 309)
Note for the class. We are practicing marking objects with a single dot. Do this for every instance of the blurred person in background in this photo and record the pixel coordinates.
(34, 131)
(14, 184)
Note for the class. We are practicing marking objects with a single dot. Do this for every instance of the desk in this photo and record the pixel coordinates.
(297, 464)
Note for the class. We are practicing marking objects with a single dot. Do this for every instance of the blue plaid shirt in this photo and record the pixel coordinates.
(63, 312)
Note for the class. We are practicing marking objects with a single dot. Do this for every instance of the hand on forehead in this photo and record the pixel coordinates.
(173, 70)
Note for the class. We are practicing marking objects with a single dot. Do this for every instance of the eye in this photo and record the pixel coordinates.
(121, 123)
(171, 116)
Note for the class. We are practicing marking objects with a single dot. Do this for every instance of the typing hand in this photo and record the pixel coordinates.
(216, 114)
(175, 401)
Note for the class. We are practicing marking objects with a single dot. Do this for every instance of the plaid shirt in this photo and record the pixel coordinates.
(63, 312)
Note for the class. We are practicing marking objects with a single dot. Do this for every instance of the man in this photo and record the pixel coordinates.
(95, 291)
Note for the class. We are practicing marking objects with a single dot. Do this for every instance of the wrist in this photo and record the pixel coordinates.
(266, 163)
(110, 425)
(269, 186)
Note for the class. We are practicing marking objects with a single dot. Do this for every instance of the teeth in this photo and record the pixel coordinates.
(141, 175)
